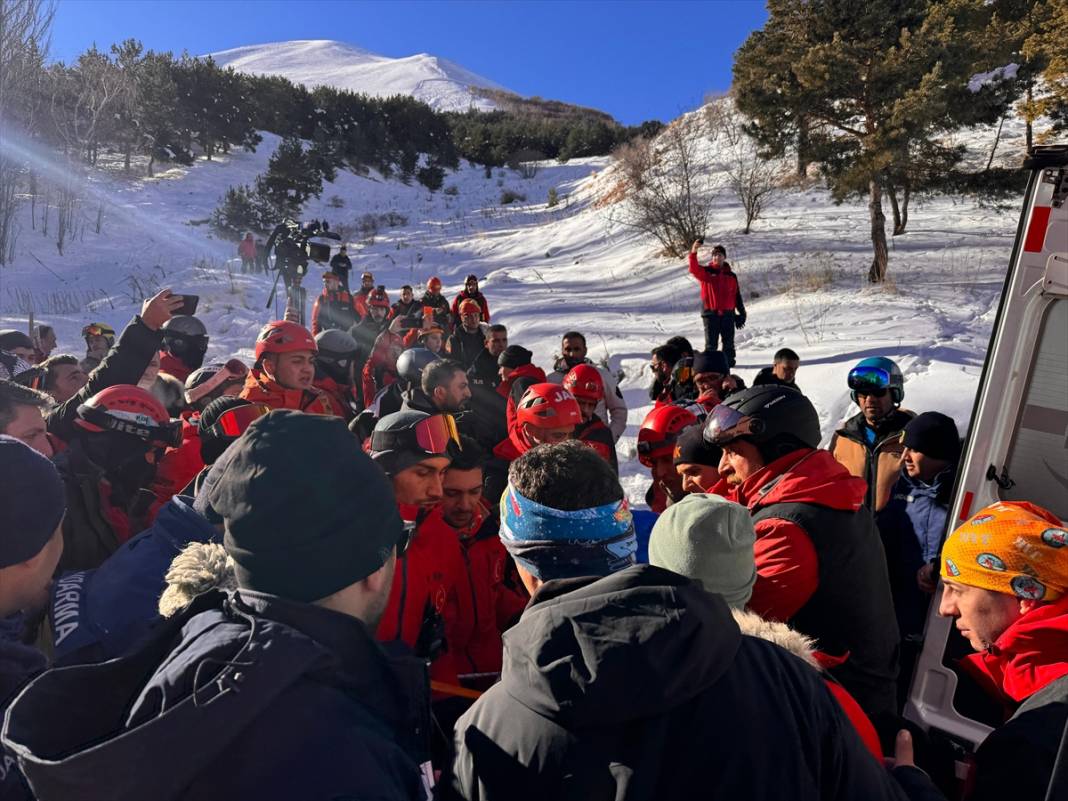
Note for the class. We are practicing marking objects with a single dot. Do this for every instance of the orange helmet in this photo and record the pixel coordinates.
(377, 297)
(585, 382)
(659, 430)
(469, 306)
(434, 284)
(281, 336)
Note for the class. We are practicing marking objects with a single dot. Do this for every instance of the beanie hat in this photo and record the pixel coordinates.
(287, 497)
(710, 361)
(708, 538)
(1012, 547)
(691, 448)
(514, 356)
(32, 501)
(11, 339)
(933, 434)
(399, 458)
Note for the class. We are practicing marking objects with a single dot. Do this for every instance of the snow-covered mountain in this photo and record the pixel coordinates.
(439, 83)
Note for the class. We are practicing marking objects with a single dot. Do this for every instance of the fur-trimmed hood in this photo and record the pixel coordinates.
(201, 566)
(779, 634)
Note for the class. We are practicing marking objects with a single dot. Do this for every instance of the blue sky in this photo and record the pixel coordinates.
(635, 60)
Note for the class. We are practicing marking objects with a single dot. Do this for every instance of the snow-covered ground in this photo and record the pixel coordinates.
(547, 270)
(441, 84)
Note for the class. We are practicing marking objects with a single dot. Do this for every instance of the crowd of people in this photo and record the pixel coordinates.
(392, 558)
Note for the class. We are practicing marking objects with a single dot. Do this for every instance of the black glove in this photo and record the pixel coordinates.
(430, 643)
(739, 321)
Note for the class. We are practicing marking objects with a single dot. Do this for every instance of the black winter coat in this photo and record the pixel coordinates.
(640, 685)
(241, 697)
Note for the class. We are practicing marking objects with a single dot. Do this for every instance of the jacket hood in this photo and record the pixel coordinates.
(619, 648)
(853, 428)
(804, 476)
(119, 731)
(1030, 654)
(753, 625)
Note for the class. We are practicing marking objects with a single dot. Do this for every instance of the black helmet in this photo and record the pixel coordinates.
(410, 364)
(774, 418)
(186, 337)
(337, 351)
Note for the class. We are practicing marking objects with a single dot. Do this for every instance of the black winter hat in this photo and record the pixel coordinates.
(32, 501)
(691, 448)
(933, 434)
(514, 356)
(11, 339)
(710, 361)
(306, 511)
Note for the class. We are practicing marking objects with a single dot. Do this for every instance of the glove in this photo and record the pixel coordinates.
(739, 321)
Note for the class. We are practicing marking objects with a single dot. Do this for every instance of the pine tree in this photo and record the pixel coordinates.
(291, 179)
(870, 87)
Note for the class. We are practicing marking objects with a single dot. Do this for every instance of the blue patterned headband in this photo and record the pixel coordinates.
(551, 543)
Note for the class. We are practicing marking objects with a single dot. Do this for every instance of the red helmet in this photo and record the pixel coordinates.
(548, 406)
(585, 382)
(659, 430)
(130, 410)
(377, 297)
(284, 337)
(469, 306)
(434, 284)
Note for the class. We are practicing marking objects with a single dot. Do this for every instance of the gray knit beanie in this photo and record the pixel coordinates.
(708, 538)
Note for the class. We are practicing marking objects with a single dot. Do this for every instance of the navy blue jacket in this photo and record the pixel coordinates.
(912, 525)
(18, 664)
(246, 696)
(99, 614)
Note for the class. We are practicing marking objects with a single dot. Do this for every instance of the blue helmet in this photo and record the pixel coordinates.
(877, 372)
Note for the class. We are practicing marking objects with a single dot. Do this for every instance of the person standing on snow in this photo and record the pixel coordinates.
(723, 309)
(467, 340)
(334, 308)
(247, 252)
(470, 292)
(185, 341)
(435, 305)
(341, 265)
(869, 443)
(585, 383)
(612, 409)
(782, 372)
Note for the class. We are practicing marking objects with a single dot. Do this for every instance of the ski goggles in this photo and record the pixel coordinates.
(233, 422)
(97, 331)
(232, 371)
(726, 424)
(164, 435)
(650, 449)
(430, 435)
(869, 380)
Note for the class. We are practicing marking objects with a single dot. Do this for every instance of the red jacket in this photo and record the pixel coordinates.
(180, 465)
(495, 598)
(172, 365)
(429, 586)
(247, 249)
(334, 310)
(261, 389)
(342, 397)
(787, 566)
(1030, 654)
(521, 377)
(719, 286)
(478, 297)
(380, 370)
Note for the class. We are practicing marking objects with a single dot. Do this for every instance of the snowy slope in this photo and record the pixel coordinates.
(439, 83)
(549, 270)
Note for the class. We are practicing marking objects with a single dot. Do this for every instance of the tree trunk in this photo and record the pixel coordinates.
(1029, 134)
(802, 148)
(877, 272)
(994, 149)
(906, 194)
(891, 192)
